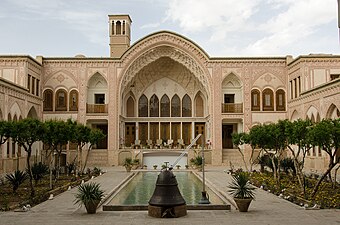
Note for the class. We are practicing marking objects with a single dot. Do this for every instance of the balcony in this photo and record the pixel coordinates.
(232, 107)
(96, 108)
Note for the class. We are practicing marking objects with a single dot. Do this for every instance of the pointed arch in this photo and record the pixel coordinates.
(143, 106)
(130, 107)
(61, 100)
(186, 106)
(73, 100)
(165, 106)
(295, 115)
(32, 113)
(154, 106)
(199, 105)
(267, 100)
(255, 100)
(97, 89)
(312, 113)
(280, 100)
(48, 100)
(333, 112)
(175, 106)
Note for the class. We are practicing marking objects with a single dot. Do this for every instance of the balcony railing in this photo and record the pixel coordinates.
(96, 108)
(232, 107)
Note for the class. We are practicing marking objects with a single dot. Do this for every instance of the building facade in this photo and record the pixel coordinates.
(153, 97)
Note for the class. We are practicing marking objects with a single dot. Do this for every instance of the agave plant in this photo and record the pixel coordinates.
(240, 186)
(16, 178)
(89, 194)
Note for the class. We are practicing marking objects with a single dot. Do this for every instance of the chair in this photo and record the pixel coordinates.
(159, 143)
(149, 143)
(170, 142)
(180, 143)
(137, 144)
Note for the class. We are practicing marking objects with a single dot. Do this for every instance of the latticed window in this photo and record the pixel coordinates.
(143, 106)
(61, 100)
(280, 100)
(175, 106)
(165, 106)
(255, 100)
(186, 106)
(130, 107)
(199, 106)
(154, 106)
(48, 100)
(73, 100)
(268, 104)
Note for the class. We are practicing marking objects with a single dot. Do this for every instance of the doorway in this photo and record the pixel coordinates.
(130, 134)
(227, 130)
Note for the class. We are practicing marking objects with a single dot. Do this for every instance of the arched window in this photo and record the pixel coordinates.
(48, 100)
(143, 106)
(73, 100)
(199, 106)
(61, 100)
(268, 100)
(118, 27)
(154, 106)
(165, 106)
(186, 106)
(280, 100)
(255, 100)
(130, 107)
(175, 106)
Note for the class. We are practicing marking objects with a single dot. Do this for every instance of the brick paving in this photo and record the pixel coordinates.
(266, 209)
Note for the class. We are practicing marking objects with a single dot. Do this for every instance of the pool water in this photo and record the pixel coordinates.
(140, 189)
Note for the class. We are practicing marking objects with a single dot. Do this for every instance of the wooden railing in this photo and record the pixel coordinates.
(232, 107)
(96, 108)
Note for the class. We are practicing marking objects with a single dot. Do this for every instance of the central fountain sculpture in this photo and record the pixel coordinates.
(167, 201)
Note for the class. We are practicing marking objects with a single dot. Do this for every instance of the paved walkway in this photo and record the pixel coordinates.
(267, 209)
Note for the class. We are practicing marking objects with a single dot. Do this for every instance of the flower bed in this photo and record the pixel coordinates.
(326, 197)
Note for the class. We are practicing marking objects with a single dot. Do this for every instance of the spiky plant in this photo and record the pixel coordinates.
(89, 193)
(16, 178)
(240, 186)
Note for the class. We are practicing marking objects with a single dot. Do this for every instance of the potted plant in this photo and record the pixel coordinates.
(154, 166)
(178, 166)
(128, 164)
(90, 195)
(241, 190)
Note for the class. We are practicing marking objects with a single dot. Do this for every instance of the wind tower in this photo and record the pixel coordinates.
(119, 29)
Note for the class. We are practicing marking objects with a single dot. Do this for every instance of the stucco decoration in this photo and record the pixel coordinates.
(61, 78)
(166, 56)
(15, 110)
(266, 80)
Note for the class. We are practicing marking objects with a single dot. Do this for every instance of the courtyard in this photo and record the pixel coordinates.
(266, 209)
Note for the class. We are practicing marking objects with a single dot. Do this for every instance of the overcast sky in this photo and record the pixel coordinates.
(221, 27)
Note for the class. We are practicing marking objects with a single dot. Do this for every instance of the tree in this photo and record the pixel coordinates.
(5, 131)
(298, 136)
(57, 134)
(81, 136)
(26, 132)
(96, 135)
(326, 135)
(238, 140)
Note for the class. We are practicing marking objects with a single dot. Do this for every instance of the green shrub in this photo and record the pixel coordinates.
(16, 178)
(39, 170)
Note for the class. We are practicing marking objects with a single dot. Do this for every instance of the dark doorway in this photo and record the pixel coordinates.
(227, 130)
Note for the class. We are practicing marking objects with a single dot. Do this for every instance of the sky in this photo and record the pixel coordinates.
(223, 28)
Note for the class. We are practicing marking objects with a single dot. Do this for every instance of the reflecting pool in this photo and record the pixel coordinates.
(140, 189)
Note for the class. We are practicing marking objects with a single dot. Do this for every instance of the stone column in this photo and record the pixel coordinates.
(216, 119)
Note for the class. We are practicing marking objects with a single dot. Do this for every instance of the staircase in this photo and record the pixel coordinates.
(233, 156)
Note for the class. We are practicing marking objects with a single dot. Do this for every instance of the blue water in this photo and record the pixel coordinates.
(140, 189)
